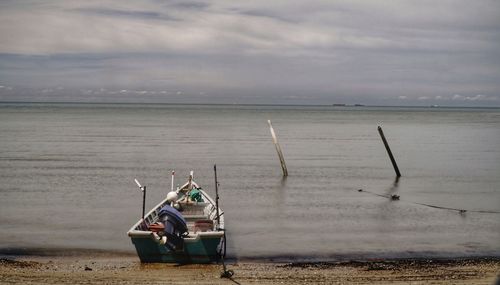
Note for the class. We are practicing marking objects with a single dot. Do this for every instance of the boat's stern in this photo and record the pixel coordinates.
(201, 243)
(203, 247)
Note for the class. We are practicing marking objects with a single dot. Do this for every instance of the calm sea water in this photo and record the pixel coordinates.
(67, 170)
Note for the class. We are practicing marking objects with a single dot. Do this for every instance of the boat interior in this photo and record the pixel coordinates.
(199, 217)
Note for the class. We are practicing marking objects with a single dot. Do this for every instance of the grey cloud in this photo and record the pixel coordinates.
(121, 13)
(363, 51)
(191, 5)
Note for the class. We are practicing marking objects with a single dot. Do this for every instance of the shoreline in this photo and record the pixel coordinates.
(126, 269)
(35, 251)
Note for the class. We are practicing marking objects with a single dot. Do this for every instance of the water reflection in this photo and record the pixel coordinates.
(394, 186)
(279, 202)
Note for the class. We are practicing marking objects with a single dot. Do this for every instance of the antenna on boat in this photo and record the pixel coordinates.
(143, 189)
(138, 184)
(191, 176)
(172, 187)
(173, 195)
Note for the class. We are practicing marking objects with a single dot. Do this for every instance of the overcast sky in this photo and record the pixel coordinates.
(290, 52)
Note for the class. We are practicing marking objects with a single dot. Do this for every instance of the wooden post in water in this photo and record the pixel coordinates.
(278, 149)
(398, 174)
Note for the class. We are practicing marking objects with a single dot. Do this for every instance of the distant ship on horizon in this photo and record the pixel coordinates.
(345, 105)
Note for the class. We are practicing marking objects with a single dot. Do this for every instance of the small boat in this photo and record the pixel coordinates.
(186, 227)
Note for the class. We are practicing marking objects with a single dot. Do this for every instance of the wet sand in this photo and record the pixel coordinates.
(128, 270)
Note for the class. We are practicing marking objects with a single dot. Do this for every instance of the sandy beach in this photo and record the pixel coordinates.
(128, 270)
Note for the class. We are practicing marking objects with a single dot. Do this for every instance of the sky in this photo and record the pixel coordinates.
(402, 52)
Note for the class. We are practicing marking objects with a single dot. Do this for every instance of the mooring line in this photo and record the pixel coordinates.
(461, 211)
(393, 197)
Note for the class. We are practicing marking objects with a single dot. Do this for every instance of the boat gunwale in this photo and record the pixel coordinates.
(219, 232)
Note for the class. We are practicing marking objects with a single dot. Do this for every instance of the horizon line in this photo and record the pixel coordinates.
(335, 105)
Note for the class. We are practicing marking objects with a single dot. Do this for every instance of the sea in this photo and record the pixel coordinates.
(67, 175)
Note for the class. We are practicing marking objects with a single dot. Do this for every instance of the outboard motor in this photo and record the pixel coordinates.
(175, 227)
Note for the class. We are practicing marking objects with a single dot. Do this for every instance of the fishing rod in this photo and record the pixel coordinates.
(216, 197)
(225, 273)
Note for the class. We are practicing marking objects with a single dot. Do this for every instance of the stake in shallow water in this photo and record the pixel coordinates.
(398, 174)
(278, 149)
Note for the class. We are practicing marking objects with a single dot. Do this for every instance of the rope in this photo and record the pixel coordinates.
(461, 211)
(225, 272)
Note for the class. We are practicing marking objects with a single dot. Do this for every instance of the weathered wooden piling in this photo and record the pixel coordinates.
(396, 169)
(278, 149)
